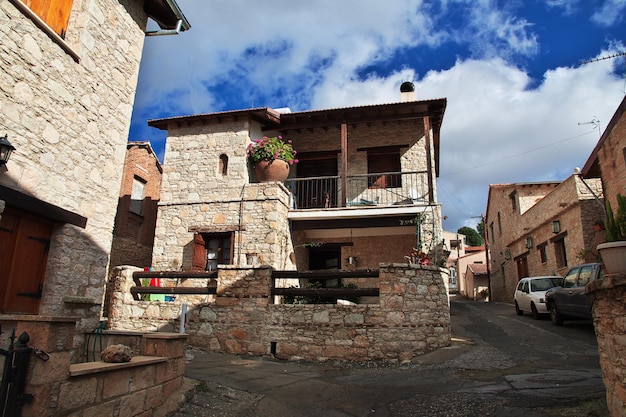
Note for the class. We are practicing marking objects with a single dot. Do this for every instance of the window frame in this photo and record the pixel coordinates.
(560, 252)
(384, 160)
(136, 205)
(42, 25)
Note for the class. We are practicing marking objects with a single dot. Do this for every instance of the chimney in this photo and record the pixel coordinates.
(407, 92)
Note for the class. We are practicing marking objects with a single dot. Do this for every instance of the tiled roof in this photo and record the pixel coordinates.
(478, 269)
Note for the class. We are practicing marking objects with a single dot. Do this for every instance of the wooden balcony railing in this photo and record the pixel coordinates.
(382, 189)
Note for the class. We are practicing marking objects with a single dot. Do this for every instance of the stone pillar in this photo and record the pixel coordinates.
(608, 296)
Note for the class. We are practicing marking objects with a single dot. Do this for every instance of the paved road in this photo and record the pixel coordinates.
(499, 364)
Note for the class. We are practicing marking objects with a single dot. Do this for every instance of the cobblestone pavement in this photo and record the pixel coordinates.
(499, 364)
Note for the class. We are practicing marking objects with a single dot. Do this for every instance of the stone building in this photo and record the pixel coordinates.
(608, 162)
(608, 159)
(539, 229)
(135, 220)
(68, 84)
(364, 175)
(466, 264)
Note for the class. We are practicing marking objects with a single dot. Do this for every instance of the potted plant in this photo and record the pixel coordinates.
(271, 158)
(613, 252)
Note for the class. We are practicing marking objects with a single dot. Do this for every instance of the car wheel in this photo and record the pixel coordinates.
(555, 316)
(517, 310)
(536, 315)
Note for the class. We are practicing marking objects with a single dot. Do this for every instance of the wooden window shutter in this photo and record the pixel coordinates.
(56, 13)
(199, 253)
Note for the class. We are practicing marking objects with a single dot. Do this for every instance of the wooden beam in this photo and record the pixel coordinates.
(327, 274)
(429, 160)
(175, 274)
(28, 203)
(327, 292)
(344, 164)
(173, 290)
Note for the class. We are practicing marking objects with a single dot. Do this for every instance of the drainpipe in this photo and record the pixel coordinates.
(165, 32)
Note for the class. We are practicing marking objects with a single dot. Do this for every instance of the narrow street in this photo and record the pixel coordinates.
(499, 364)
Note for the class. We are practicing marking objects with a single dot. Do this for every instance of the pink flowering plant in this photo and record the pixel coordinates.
(268, 149)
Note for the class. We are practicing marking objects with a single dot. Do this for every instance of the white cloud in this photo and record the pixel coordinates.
(497, 128)
(611, 12)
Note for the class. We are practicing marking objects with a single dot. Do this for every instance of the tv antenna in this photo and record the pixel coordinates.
(603, 58)
(595, 122)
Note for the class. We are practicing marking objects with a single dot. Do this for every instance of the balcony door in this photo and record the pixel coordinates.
(384, 160)
(320, 189)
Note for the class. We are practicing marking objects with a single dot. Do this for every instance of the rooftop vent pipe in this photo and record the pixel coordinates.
(407, 92)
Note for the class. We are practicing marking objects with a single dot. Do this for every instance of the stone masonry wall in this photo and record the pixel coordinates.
(612, 158)
(258, 215)
(608, 296)
(411, 318)
(137, 388)
(69, 122)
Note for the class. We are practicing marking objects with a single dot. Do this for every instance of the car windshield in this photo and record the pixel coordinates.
(543, 284)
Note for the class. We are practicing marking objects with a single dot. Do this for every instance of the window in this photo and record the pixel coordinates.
(223, 168)
(54, 13)
(585, 274)
(137, 195)
(542, 253)
(525, 287)
(513, 197)
(499, 224)
(384, 160)
(570, 279)
(559, 252)
(212, 249)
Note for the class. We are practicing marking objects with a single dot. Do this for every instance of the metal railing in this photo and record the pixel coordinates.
(381, 189)
(15, 368)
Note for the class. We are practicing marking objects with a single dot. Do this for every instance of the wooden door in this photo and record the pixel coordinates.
(522, 268)
(198, 262)
(24, 246)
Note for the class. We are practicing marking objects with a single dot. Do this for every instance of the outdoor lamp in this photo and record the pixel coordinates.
(556, 226)
(5, 150)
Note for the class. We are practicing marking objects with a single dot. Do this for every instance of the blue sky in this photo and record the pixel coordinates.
(519, 102)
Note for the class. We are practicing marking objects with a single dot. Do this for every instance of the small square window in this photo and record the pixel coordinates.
(137, 196)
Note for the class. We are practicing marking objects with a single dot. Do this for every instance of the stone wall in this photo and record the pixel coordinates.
(140, 387)
(69, 120)
(258, 215)
(412, 317)
(611, 156)
(608, 296)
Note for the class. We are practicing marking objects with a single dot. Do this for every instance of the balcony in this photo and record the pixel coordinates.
(387, 189)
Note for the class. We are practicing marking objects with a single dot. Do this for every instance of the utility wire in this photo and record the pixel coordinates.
(515, 155)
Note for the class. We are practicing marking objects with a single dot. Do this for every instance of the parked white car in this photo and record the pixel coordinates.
(530, 294)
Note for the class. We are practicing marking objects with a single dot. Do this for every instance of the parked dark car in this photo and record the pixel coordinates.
(570, 301)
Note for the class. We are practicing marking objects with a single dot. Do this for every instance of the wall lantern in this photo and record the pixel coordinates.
(529, 242)
(352, 260)
(507, 254)
(5, 150)
(556, 226)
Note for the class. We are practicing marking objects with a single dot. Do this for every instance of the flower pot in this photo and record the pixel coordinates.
(613, 256)
(274, 170)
